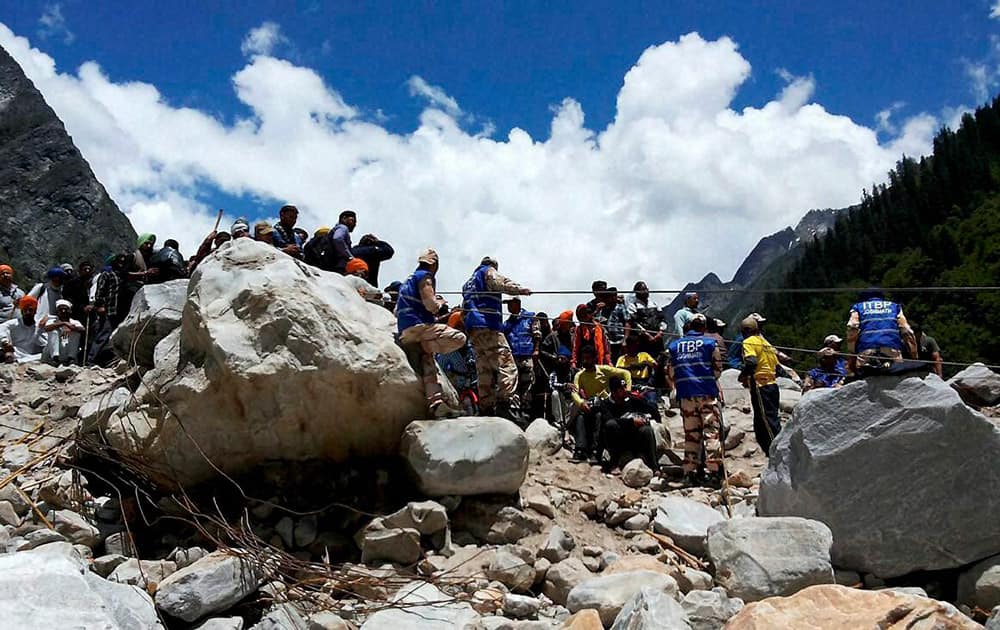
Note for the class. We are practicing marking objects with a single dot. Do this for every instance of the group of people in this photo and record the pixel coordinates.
(599, 372)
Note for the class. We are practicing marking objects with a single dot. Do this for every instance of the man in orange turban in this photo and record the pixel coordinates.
(9, 293)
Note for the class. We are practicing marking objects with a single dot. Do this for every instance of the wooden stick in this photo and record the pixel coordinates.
(12, 476)
(27, 433)
(218, 220)
(669, 544)
(34, 508)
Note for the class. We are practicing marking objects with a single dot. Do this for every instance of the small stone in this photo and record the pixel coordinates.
(514, 567)
(222, 623)
(186, 557)
(15, 456)
(592, 550)
(542, 567)
(620, 516)
(589, 509)
(562, 577)
(398, 545)
(846, 578)
(520, 606)
(119, 543)
(305, 532)
(76, 528)
(593, 564)
(40, 537)
(558, 545)
(8, 515)
(637, 523)
(142, 572)
(538, 502)
(636, 474)
(710, 610)
(689, 579)
(104, 565)
(645, 544)
(286, 529)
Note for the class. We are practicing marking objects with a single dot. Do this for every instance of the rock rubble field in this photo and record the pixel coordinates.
(259, 459)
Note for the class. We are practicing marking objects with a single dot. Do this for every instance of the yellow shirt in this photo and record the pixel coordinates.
(767, 359)
(640, 365)
(595, 383)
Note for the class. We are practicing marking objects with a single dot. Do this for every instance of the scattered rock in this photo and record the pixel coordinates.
(512, 525)
(689, 579)
(40, 537)
(993, 623)
(978, 385)
(104, 565)
(636, 474)
(54, 590)
(558, 546)
(584, 620)
(980, 585)
(514, 567)
(142, 572)
(76, 528)
(186, 557)
(543, 439)
(756, 558)
(222, 623)
(96, 411)
(608, 593)
(466, 456)
(399, 545)
(593, 564)
(539, 502)
(210, 585)
(520, 606)
(842, 607)
(281, 617)
(710, 610)
(8, 515)
(119, 543)
(562, 577)
(637, 523)
(15, 456)
(823, 461)
(686, 521)
(651, 609)
(423, 611)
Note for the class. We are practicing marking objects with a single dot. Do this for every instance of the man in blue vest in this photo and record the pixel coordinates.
(695, 366)
(481, 302)
(524, 336)
(416, 317)
(877, 329)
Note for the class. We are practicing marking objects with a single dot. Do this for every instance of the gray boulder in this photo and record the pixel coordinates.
(636, 474)
(651, 609)
(686, 521)
(557, 546)
(993, 623)
(55, 590)
(978, 385)
(514, 567)
(562, 577)
(421, 606)
(141, 573)
(710, 610)
(97, 410)
(918, 440)
(155, 313)
(608, 594)
(980, 585)
(543, 439)
(466, 456)
(397, 544)
(210, 585)
(757, 558)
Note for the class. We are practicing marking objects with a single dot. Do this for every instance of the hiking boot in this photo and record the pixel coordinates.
(578, 456)
(712, 480)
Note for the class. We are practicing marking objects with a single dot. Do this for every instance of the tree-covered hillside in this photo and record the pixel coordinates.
(935, 223)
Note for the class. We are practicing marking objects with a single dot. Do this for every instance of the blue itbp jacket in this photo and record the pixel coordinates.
(691, 356)
(482, 308)
(878, 326)
(518, 332)
(410, 309)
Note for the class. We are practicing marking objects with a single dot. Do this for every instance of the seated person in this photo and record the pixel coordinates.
(63, 334)
(642, 366)
(827, 374)
(22, 339)
(590, 390)
(628, 425)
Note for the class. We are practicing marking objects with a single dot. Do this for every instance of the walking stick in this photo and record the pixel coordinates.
(218, 219)
(86, 340)
(722, 463)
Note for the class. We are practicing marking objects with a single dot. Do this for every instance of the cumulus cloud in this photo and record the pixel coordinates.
(995, 10)
(52, 23)
(679, 184)
(262, 40)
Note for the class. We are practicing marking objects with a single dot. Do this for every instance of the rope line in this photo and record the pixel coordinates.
(934, 289)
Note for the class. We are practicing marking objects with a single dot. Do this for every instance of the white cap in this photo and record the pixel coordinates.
(832, 339)
(65, 303)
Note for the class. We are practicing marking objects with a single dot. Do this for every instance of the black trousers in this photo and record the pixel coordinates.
(586, 431)
(766, 425)
(621, 435)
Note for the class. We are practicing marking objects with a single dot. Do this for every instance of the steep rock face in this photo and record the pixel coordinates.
(52, 208)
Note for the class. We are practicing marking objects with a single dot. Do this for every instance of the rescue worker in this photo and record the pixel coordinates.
(524, 337)
(694, 369)
(416, 315)
(827, 374)
(481, 302)
(877, 329)
(759, 374)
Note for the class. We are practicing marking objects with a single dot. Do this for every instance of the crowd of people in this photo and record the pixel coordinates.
(600, 372)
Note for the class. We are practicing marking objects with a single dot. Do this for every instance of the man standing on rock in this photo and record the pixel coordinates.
(877, 329)
(9, 293)
(109, 309)
(694, 370)
(759, 373)
(340, 241)
(481, 301)
(416, 316)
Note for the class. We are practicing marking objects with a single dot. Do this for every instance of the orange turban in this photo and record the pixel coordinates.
(7, 268)
(27, 301)
(355, 265)
(455, 320)
(566, 316)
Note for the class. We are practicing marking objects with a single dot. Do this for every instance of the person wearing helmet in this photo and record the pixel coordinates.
(759, 374)
(877, 329)
(481, 302)
(416, 318)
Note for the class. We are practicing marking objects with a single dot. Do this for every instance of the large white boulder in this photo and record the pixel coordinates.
(55, 590)
(155, 313)
(977, 385)
(466, 456)
(274, 360)
(886, 463)
(757, 558)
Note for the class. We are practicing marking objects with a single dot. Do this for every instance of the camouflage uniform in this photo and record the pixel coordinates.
(432, 339)
(494, 361)
(702, 433)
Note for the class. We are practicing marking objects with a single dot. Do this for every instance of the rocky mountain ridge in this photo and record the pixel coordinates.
(52, 208)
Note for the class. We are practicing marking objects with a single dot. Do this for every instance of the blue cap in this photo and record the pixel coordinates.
(56, 272)
(565, 352)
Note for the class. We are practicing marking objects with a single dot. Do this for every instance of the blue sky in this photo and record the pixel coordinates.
(746, 114)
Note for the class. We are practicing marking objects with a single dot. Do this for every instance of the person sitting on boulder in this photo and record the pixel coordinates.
(827, 374)
(339, 241)
(63, 336)
(21, 339)
(628, 427)
(836, 343)
(374, 251)
(10, 294)
(357, 276)
(315, 250)
(169, 261)
(590, 390)
(284, 236)
(759, 373)
(138, 270)
(416, 320)
(694, 370)
(928, 350)
(877, 329)
(263, 232)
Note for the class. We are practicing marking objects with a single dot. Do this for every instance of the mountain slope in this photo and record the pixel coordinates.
(52, 208)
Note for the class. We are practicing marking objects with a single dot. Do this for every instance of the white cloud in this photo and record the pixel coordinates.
(678, 185)
(995, 10)
(52, 23)
(883, 118)
(435, 95)
(262, 40)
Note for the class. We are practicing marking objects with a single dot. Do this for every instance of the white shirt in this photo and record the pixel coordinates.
(28, 341)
